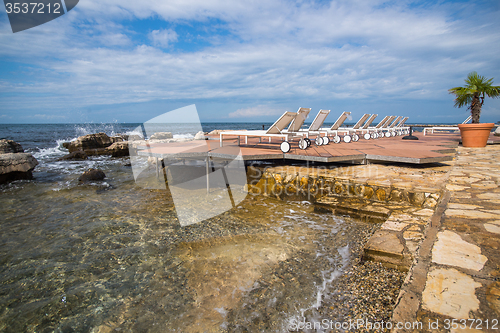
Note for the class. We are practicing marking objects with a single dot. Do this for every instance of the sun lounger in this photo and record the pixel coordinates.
(384, 126)
(365, 130)
(375, 130)
(445, 128)
(294, 120)
(390, 131)
(347, 131)
(358, 127)
(335, 127)
(275, 130)
(298, 121)
(401, 129)
(314, 129)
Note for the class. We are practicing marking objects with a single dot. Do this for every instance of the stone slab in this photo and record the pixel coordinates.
(495, 229)
(471, 214)
(451, 293)
(450, 249)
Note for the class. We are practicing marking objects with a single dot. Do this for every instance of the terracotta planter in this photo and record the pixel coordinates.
(475, 135)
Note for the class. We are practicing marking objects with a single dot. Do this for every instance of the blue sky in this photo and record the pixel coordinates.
(129, 61)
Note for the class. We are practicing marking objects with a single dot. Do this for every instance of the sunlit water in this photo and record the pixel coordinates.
(112, 255)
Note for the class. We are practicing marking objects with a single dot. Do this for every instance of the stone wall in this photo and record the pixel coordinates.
(292, 184)
(403, 208)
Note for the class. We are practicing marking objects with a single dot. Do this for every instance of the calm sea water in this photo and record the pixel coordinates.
(112, 256)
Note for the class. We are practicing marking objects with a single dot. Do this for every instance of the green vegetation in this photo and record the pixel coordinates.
(473, 94)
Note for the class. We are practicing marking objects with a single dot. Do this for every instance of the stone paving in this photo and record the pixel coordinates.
(440, 221)
(454, 283)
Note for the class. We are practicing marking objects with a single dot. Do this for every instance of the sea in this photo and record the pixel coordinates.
(111, 256)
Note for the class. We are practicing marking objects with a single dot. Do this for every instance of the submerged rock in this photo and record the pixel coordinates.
(91, 175)
(76, 155)
(15, 164)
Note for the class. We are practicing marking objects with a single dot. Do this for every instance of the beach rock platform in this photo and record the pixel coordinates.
(15, 164)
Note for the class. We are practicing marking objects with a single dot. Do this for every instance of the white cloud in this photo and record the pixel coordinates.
(256, 111)
(48, 116)
(266, 51)
(163, 38)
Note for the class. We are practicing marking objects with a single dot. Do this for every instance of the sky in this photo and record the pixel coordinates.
(248, 61)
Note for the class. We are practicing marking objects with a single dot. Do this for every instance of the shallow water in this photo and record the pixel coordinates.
(112, 255)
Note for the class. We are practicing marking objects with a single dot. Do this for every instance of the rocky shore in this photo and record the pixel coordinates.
(97, 144)
(15, 164)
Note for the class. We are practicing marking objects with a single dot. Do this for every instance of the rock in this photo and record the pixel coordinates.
(493, 296)
(14, 166)
(119, 138)
(10, 146)
(199, 136)
(417, 198)
(99, 144)
(497, 131)
(381, 195)
(161, 136)
(76, 155)
(92, 174)
(118, 149)
(387, 248)
(135, 137)
(90, 141)
(66, 144)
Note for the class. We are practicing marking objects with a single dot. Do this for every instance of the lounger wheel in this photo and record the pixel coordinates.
(355, 138)
(387, 134)
(374, 135)
(393, 133)
(318, 141)
(326, 140)
(367, 136)
(347, 138)
(336, 139)
(303, 144)
(285, 147)
(308, 142)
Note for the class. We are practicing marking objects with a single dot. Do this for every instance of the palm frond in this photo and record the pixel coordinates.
(476, 85)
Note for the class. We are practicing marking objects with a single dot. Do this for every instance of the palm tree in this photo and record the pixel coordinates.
(473, 94)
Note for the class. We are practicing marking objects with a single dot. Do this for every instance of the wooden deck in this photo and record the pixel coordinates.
(430, 148)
